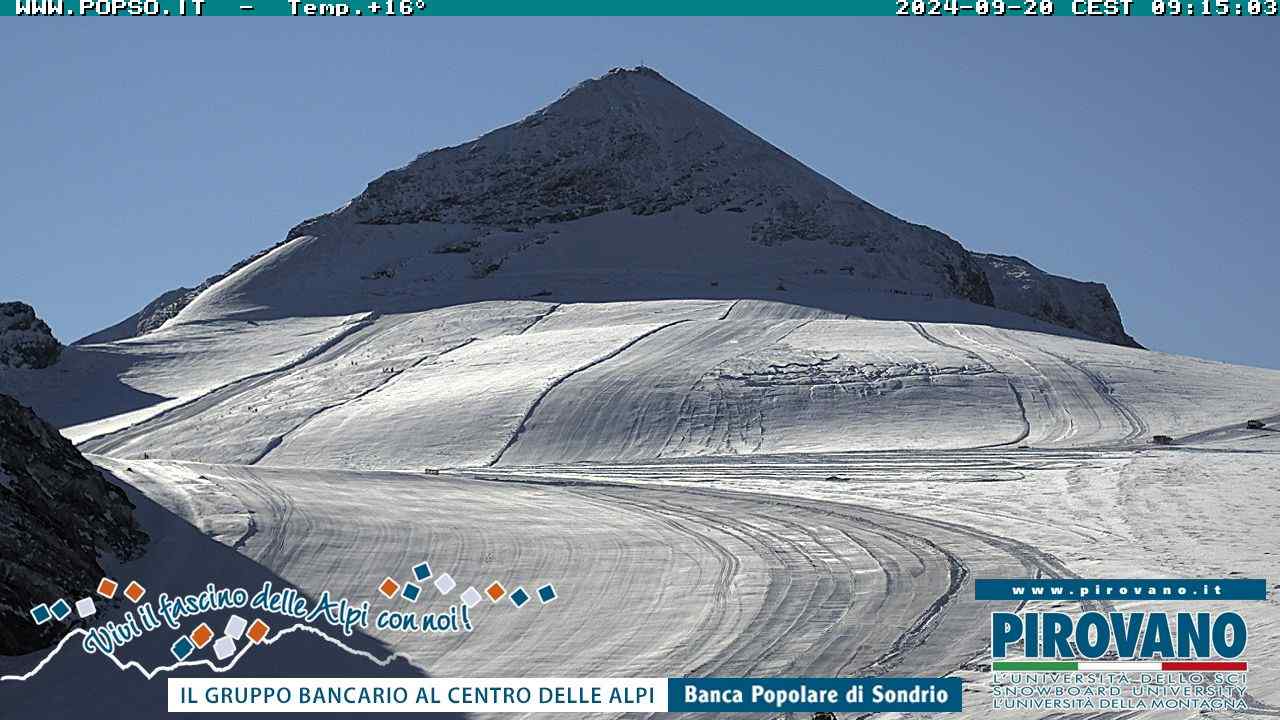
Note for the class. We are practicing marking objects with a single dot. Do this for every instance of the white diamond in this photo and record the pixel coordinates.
(235, 627)
(444, 584)
(85, 607)
(224, 648)
(470, 597)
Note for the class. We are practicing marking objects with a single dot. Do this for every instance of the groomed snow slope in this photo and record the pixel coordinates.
(528, 382)
(693, 580)
(803, 565)
(98, 388)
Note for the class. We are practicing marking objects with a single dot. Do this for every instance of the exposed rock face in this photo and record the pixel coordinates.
(633, 141)
(624, 161)
(1085, 306)
(57, 516)
(25, 340)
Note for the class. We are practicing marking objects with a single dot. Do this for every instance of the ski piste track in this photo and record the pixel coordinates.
(695, 580)
(691, 379)
(699, 581)
(683, 471)
(1061, 425)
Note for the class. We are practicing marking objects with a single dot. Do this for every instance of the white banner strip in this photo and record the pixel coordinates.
(1118, 666)
(415, 695)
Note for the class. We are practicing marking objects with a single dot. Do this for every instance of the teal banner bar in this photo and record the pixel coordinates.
(1200, 590)
(423, 8)
(815, 695)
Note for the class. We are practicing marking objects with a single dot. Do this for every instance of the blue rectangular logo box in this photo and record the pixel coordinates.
(1121, 589)
(775, 695)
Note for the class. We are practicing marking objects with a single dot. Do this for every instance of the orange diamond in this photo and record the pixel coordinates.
(258, 630)
(135, 591)
(389, 588)
(107, 587)
(495, 591)
(201, 635)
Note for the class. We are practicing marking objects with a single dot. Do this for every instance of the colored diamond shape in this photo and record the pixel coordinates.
(495, 591)
(60, 609)
(258, 630)
(471, 596)
(182, 648)
(85, 607)
(41, 614)
(411, 592)
(224, 648)
(135, 591)
(422, 572)
(107, 587)
(202, 635)
(235, 627)
(445, 583)
(388, 588)
(519, 597)
(546, 593)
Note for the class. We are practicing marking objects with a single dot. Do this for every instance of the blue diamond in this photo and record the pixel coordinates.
(40, 614)
(422, 571)
(411, 592)
(60, 609)
(182, 648)
(520, 597)
(546, 593)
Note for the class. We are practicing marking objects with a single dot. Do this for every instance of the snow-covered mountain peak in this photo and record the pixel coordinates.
(626, 187)
(650, 103)
(638, 84)
(629, 140)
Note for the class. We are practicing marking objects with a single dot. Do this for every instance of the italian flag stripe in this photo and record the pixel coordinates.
(1116, 666)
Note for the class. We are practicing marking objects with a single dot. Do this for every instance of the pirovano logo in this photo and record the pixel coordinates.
(1106, 659)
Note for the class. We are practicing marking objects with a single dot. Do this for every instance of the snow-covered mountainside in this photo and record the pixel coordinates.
(625, 275)
(626, 188)
(534, 382)
(57, 518)
(25, 340)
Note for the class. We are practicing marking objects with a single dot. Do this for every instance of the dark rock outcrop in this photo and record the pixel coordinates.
(58, 516)
(1019, 286)
(25, 340)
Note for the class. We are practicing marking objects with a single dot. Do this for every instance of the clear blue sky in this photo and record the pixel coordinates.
(140, 155)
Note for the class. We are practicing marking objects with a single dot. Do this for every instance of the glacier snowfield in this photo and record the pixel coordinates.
(715, 487)
(526, 382)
